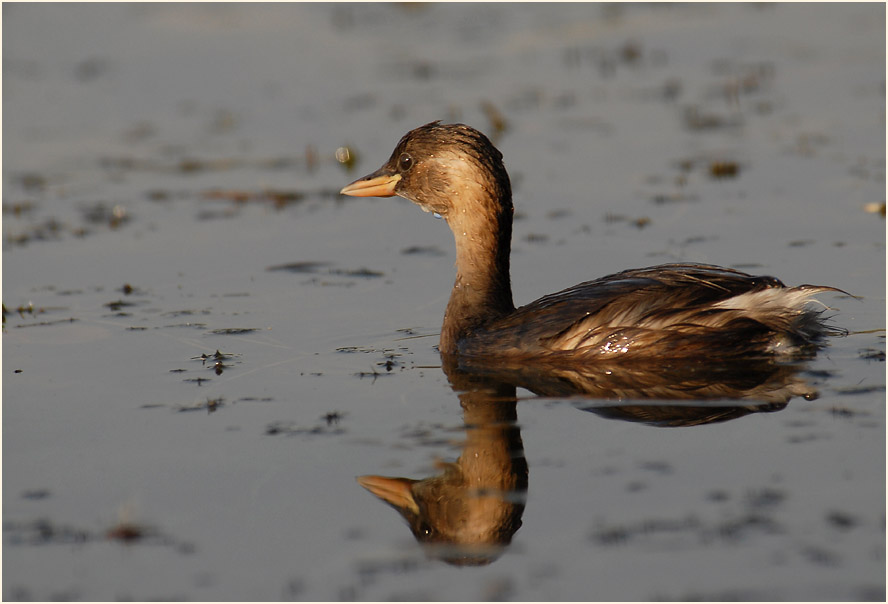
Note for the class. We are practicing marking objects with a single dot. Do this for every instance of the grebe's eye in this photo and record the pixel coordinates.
(405, 162)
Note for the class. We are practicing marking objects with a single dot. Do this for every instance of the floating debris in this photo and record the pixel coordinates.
(195, 165)
(119, 304)
(498, 123)
(347, 157)
(851, 390)
(128, 532)
(36, 494)
(696, 120)
(665, 198)
(233, 331)
(315, 268)
(360, 272)
(43, 323)
(422, 250)
(216, 361)
(99, 213)
(43, 532)
(536, 238)
(20, 208)
(31, 182)
(47, 532)
(607, 61)
(293, 429)
(875, 208)
(299, 267)
(91, 68)
(371, 374)
(842, 520)
(210, 405)
(646, 529)
(253, 399)
(278, 198)
(50, 229)
(741, 79)
(332, 417)
(215, 356)
(640, 222)
(724, 169)
(845, 412)
(871, 354)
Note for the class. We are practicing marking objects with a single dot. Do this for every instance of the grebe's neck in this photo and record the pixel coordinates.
(481, 221)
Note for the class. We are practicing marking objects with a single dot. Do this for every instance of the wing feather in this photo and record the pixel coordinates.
(672, 309)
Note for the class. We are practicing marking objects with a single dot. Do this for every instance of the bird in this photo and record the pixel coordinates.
(678, 311)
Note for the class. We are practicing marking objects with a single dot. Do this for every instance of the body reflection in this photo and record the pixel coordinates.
(468, 514)
(762, 384)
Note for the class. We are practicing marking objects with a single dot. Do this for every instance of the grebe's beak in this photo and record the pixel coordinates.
(394, 491)
(378, 184)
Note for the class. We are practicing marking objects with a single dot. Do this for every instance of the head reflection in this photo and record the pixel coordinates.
(467, 514)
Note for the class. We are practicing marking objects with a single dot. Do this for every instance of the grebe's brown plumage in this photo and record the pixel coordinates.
(666, 311)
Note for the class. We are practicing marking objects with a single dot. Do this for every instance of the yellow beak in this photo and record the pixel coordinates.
(373, 186)
(394, 491)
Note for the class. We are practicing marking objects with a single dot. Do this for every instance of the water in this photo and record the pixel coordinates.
(170, 191)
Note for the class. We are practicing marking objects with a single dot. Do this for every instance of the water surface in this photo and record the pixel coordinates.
(170, 192)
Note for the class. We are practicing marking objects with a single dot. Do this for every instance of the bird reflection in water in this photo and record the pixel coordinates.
(467, 514)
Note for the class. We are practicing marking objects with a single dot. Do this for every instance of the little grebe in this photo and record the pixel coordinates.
(666, 311)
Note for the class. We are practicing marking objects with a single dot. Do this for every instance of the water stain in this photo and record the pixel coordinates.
(218, 361)
(421, 250)
(211, 405)
(234, 331)
(314, 268)
(289, 428)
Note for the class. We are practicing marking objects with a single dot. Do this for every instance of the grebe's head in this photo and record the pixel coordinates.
(442, 168)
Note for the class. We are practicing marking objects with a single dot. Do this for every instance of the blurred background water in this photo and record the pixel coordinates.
(204, 344)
